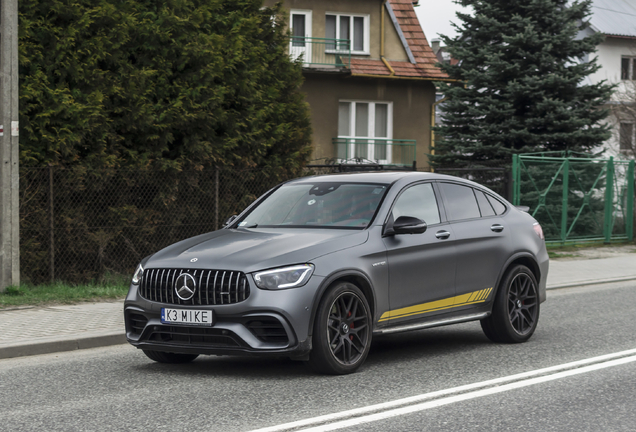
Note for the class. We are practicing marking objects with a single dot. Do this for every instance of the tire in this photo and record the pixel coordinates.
(342, 331)
(515, 312)
(168, 357)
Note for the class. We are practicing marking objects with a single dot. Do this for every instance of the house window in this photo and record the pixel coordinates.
(354, 28)
(628, 68)
(626, 136)
(300, 27)
(366, 127)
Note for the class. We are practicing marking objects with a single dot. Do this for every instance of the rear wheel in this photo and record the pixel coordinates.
(515, 313)
(167, 357)
(342, 331)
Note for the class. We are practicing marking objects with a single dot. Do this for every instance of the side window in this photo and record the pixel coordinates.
(484, 204)
(418, 201)
(499, 207)
(460, 201)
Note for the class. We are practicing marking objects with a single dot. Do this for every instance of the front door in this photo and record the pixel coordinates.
(421, 266)
(300, 26)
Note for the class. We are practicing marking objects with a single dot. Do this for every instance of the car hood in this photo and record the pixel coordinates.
(250, 250)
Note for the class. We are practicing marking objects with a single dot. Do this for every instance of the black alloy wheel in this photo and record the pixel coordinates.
(342, 331)
(523, 304)
(515, 311)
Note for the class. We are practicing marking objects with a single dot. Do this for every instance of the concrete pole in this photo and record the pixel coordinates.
(9, 150)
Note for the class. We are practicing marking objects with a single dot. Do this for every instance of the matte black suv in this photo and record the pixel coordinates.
(318, 265)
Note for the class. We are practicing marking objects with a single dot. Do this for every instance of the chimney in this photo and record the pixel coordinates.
(435, 45)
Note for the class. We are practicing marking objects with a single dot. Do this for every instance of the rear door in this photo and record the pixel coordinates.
(482, 240)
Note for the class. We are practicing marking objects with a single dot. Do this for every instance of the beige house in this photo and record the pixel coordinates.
(369, 74)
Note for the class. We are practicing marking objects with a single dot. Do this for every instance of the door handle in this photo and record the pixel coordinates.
(497, 228)
(442, 235)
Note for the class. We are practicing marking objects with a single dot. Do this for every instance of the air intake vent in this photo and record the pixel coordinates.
(268, 330)
(137, 323)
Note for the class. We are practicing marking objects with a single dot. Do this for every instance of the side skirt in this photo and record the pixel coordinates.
(439, 323)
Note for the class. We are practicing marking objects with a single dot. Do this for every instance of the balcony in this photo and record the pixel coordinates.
(382, 151)
(321, 53)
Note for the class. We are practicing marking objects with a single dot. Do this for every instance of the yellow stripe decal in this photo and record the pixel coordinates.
(452, 302)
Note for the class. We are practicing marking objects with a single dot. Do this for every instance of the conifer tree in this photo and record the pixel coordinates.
(166, 84)
(522, 70)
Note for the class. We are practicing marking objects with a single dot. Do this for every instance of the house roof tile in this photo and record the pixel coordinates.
(425, 59)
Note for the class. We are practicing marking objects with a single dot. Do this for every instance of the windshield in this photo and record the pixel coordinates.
(322, 205)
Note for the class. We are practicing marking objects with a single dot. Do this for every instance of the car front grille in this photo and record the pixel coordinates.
(214, 287)
(196, 336)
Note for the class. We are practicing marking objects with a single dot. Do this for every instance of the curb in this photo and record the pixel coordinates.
(61, 344)
(591, 282)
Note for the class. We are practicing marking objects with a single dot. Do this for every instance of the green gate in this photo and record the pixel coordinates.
(576, 198)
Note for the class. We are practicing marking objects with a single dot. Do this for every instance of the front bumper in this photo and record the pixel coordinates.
(267, 322)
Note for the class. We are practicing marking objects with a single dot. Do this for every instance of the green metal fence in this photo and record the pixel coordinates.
(388, 151)
(321, 52)
(576, 198)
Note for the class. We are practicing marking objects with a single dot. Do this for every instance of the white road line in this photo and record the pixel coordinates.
(466, 396)
(456, 394)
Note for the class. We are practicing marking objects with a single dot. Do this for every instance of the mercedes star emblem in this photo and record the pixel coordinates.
(185, 286)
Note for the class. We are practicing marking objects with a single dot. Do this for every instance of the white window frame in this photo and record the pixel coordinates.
(367, 32)
(631, 71)
(294, 51)
(370, 128)
(632, 139)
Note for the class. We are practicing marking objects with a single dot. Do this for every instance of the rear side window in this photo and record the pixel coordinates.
(418, 201)
(460, 202)
(499, 207)
(484, 204)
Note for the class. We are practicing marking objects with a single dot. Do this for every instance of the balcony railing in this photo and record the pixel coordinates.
(321, 52)
(384, 151)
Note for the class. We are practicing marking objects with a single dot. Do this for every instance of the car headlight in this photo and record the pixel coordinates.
(139, 272)
(286, 277)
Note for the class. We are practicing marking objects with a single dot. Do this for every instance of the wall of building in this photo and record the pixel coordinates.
(411, 100)
(394, 50)
(609, 54)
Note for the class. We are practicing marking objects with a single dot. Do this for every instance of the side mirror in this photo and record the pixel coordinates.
(230, 220)
(407, 225)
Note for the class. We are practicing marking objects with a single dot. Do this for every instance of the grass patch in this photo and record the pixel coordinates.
(561, 255)
(60, 293)
(572, 250)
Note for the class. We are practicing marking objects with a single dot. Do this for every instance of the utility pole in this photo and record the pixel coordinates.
(9, 150)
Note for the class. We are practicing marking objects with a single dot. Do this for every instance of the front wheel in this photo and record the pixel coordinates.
(167, 357)
(515, 313)
(342, 331)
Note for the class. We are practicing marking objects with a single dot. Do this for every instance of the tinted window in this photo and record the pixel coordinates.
(484, 205)
(418, 201)
(460, 201)
(497, 205)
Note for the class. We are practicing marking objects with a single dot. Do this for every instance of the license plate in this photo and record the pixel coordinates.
(187, 316)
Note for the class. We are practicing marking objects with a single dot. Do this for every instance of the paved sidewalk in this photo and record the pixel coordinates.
(31, 331)
(34, 331)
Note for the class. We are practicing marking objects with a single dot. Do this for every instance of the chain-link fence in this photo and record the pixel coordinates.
(79, 225)
(577, 198)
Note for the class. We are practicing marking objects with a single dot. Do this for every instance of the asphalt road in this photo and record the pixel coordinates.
(118, 388)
